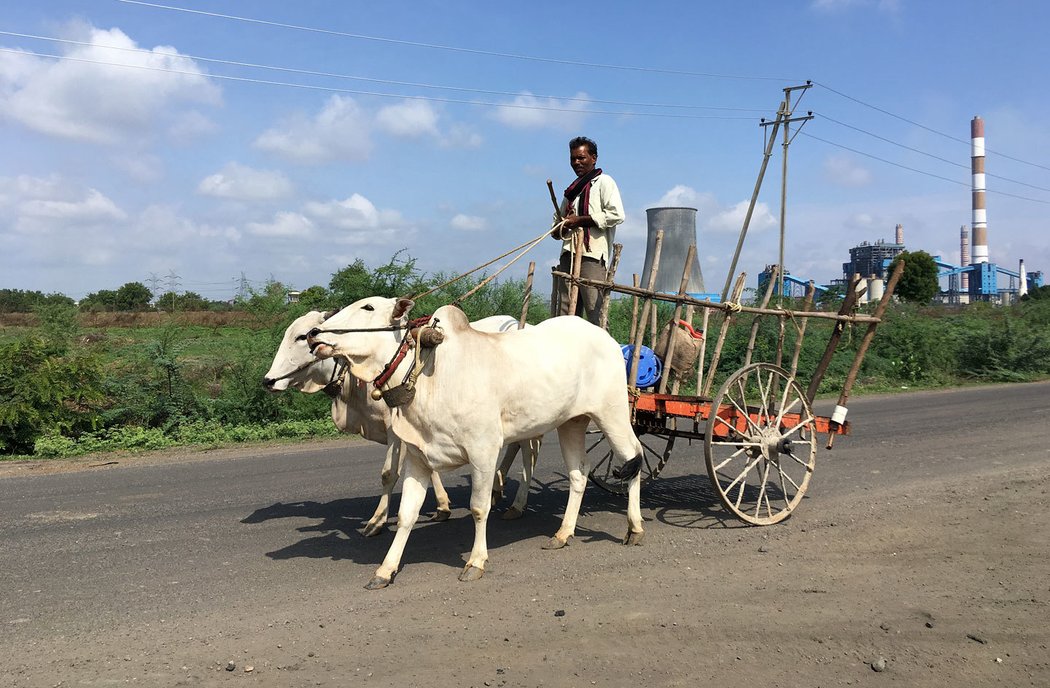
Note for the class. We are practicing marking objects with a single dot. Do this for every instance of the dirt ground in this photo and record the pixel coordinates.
(910, 585)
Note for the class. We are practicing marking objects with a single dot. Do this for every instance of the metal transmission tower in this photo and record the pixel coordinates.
(154, 281)
(173, 284)
(785, 116)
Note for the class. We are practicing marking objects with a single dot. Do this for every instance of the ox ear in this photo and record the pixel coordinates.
(328, 314)
(401, 308)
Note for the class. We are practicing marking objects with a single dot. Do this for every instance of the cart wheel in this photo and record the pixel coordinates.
(760, 444)
(656, 450)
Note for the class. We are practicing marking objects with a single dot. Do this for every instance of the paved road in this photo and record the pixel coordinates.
(111, 547)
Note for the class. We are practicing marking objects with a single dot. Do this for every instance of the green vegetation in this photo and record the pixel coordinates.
(918, 283)
(77, 380)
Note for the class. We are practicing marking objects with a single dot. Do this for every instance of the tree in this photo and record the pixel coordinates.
(101, 300)
(133, 296)
(399, 277)
(918, 283)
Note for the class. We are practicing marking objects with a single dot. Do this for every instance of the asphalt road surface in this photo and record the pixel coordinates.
(171, 570)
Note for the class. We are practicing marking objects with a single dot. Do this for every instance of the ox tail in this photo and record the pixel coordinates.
(629, 469)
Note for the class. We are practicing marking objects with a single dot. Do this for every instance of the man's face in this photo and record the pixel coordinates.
(581, 160)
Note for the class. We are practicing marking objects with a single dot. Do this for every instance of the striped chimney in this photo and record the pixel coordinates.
(900, 235)
(964, 257)
(980, 216)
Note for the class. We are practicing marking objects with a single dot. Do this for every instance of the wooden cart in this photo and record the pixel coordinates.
(759, 431)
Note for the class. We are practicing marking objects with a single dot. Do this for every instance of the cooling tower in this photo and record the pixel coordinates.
(679, 228)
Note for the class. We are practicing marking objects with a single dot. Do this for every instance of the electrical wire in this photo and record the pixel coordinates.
(929, 155)
(332, 89)
(450, 48)
(913, 169)
(535, 58)
(391, 82)
(923, 126)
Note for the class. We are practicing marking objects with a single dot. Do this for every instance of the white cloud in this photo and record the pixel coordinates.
(354, 213)
(284, 224)
(340, 131)
(101, 95)
(241, 183)
(527, 111)
(468, 223)
(712, 215)
(410, 119)
(461, 136)
(732, 219)
(140, 167)
(843, 170)
(35, 205)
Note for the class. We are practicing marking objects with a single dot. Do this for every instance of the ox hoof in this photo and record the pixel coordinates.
(633, 538)
(556, 543)
(378, 583)
(512, 514)
(441, 515)
(373, 529)
(471, 573)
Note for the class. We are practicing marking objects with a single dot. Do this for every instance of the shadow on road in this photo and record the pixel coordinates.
(334, 531)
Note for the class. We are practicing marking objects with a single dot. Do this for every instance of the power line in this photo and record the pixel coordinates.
(921, 126)
(929, 155)
(392, 82)
(450, 48)
(913, 169)
(332, 89)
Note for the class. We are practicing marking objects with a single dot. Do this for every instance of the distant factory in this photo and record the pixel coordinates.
(973, 279)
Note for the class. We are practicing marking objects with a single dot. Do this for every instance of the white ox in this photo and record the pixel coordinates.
(478, 391)
(294, 366)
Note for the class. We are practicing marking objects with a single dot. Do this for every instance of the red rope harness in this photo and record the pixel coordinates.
(402, 351)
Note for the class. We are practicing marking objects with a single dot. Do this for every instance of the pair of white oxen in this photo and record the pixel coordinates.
(480, 389)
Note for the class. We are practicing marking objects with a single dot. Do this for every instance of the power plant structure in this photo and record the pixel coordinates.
(974, 278)
(679, 228)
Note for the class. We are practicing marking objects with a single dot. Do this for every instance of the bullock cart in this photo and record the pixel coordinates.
(758, 428)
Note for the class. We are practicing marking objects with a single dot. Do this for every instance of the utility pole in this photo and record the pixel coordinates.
(787, 120)
(173, 284)
(783, 118)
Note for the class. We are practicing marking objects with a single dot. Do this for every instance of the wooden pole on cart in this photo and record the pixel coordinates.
(755, 322)
(528, 295)
(603, 320)
(669, 353)
(634, 308)
(851, 377)
(632, 377)
(738, 289)
(703, 350)
(833, 341)
(811, 291)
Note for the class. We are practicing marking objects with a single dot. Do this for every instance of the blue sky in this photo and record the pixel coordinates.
(341, 145)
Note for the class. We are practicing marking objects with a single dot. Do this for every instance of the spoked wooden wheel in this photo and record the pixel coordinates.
(760, 444)
(656, 450)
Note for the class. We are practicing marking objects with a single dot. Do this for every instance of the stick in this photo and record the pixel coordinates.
(672, 330)
(632, 377)
(528, 295)
(603, 320)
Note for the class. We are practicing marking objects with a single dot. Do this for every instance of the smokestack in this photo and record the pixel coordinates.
(980, 216)
(900, 235)
(964, 257)
(1022, 289)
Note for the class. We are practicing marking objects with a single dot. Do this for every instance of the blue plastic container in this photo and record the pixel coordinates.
(649, 365)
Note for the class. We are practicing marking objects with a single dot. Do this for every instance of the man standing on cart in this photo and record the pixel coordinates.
(590, 211)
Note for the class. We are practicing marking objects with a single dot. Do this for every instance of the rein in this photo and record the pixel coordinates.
(402, 351)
